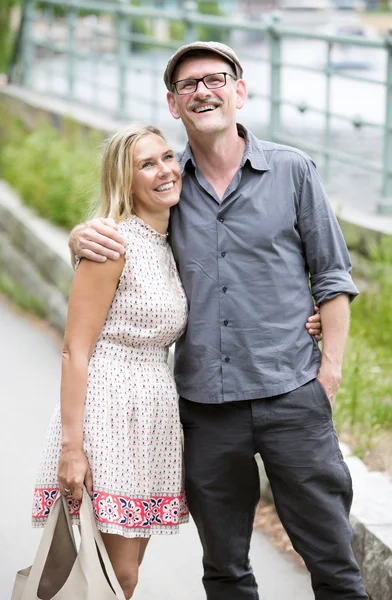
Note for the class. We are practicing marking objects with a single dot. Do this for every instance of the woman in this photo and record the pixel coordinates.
(117, 427)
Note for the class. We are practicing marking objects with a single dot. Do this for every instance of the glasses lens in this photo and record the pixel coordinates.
(186, 86)
(214, 81)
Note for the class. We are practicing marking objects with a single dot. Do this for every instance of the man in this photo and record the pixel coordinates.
(252, 225)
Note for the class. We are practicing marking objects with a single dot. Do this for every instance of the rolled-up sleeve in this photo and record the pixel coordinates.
(324, 246)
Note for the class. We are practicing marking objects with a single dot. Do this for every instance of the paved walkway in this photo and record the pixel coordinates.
(29, 384)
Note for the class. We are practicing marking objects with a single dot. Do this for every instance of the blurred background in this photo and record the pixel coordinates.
(319, 74)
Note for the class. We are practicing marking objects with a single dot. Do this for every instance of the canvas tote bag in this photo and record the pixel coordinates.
(78, 575)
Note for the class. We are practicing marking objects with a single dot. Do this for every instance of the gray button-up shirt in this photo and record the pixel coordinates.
(246, 263)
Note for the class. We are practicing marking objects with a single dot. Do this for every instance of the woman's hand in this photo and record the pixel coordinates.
(314, 326)
(73, 472)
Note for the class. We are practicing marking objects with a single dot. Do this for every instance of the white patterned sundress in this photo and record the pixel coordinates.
(132, 435)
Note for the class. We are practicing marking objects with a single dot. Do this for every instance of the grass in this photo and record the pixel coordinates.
(55, 172)
(364, 404)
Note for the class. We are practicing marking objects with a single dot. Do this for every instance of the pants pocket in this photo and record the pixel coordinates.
(322, 398)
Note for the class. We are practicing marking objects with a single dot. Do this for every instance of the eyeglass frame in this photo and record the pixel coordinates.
(197, 81)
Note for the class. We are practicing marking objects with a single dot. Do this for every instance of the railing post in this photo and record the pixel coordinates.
(50, 20)
(27, 44)
(71, 24)
(155, 76)
(275, 61)
(327, 127)
(190, 7)
(123, 45)
(385, 204)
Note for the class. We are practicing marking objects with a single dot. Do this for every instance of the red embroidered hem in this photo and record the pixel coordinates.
(119, 510)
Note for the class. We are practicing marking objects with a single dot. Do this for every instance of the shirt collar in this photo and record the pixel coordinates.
(185, 157)
(253, 152)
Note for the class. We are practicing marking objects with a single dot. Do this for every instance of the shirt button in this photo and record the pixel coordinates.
(225, 322)
(221, 219)
(223, 254)
(224, 289)
(227, 359)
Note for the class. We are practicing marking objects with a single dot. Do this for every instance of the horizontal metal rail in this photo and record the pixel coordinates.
(337, 155)
(330, 71)
(355, 121)
(330, 39)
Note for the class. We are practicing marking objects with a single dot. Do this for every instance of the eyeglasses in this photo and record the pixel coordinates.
(212, 82)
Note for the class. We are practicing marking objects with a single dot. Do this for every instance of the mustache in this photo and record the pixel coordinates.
(196, 103)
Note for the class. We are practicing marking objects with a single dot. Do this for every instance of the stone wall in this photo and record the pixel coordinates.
(34, 255)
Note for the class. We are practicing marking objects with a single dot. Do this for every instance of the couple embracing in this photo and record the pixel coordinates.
(231, 279)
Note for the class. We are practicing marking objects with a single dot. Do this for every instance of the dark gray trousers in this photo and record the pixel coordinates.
(311, 484)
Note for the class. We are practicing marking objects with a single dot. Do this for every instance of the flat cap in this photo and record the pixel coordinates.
(216, 47)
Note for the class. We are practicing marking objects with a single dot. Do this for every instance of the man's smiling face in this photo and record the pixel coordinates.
(206, 110)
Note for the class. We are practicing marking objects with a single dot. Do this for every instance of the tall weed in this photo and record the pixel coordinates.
(364, 403)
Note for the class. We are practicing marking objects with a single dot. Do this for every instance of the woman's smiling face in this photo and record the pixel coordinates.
(156, 181)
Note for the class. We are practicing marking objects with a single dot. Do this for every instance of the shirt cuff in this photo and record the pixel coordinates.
(328, 285)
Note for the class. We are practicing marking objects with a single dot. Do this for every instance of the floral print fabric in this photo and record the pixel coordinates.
(132, 434)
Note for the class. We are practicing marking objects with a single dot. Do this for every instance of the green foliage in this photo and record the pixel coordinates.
(381, 6)
(140, 26)
(56, 173)
(58, 10)
(364, 405)
(6, 33)
(177, 30)
(204, 32)
(207, 32)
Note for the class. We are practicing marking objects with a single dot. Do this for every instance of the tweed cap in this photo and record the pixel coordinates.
(221, 49)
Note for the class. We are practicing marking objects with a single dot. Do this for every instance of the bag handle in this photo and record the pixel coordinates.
(45, 544)
(92, 543)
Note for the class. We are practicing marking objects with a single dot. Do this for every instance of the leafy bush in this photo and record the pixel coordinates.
(56, 173)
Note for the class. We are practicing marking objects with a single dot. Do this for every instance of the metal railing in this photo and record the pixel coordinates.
(111, 56)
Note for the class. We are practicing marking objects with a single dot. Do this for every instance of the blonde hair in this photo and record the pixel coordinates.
(117, 172)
